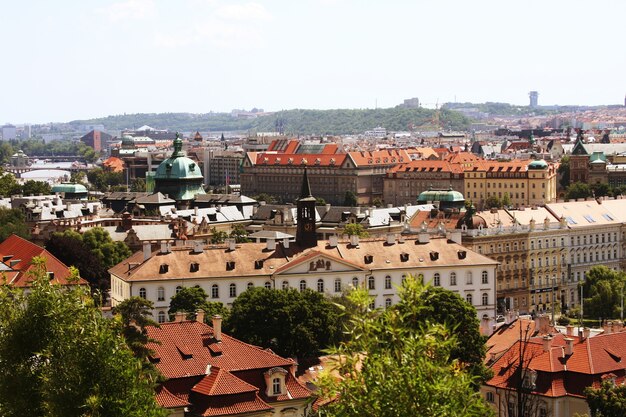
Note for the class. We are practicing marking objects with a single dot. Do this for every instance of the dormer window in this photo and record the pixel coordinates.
(194, 267)
(275, 382)
(164, 268)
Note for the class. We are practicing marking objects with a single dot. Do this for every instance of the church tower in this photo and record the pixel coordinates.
(579, 161)
(306, 236)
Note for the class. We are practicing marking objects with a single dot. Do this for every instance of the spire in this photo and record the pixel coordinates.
(178, 146)
(306, 187)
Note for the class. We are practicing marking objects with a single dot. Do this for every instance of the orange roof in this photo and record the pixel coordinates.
(382, 157)
(300, 159)
(114, 164)
(422, 165)
(17, 255)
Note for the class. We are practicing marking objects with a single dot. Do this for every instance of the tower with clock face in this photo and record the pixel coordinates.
(306, 236)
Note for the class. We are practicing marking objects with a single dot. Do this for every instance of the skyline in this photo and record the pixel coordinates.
(78, 60)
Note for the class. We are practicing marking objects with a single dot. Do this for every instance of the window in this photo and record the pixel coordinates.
(355, 282)
(232, 290)
(285, 285)
(337, 285)
(387, 282)
(403, 278)
(276, 386)
(490, 397)
(215, 291)
(371, 284)
(452, 278)
(436, 279)
(268, 285)
(485, 277)
(387, 302)
(372, 304)
(320, 285)
(178, 289)
(161, 317)
(161, 294)
(142, 293)
(485, 299)
(468, 278)
(468, 298)
(250, 285)
(302, 285)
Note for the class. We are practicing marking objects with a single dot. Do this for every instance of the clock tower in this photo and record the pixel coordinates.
(306, 236)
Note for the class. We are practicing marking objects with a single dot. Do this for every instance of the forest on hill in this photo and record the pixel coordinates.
(293, 122)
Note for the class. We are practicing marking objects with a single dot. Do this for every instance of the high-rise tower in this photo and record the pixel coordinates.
(534, 99)
(306, 236)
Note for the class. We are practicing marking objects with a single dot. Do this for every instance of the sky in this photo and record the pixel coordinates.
(68, 60)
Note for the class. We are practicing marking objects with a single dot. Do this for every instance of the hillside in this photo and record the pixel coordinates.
(307, 122)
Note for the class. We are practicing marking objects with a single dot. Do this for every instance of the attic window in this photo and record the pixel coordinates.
(462, 254)
(434, 255)
(192, 166)
(332, 161)
(368, 259)
(194, 267)
(230, 265)
(50, 275)
(277, 161)
(184, 353)
(164, 268)
(258, 264)
(290, 161)
(318, 161)
(404, 257)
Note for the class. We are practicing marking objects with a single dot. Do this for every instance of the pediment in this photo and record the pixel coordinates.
(317, 262)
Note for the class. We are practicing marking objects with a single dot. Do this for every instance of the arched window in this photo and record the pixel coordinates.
(437, 279)
(452, 278)
(215, 291)
(371, 284)
(302, 285)
(250, 285)
(468, 278)
(232, 290)
(337, 285)
(403, 278)
(387, 302)
(142, 292)
(285, 285)
(468, 298)
(161, 294)
(387, 282)
(372, 304)
(276, 388)
(178, 289)
(161, 317)
(268, 285)
(355, 282)
(485, 277)
(485, 299)
(320, 285)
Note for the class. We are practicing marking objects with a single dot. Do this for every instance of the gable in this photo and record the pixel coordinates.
(317, 262)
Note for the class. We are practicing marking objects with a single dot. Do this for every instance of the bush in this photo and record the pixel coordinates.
(563, 321)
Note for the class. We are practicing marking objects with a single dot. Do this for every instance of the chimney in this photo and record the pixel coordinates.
(455, 236)
(179, 316)
(232, 244)
(608, 327)
(164, 248)
(271, 244)
(286, 243)
(327, 207)
(217, 327)
(569, 330)
(147, 250)
(333, 240)
(423, 237)
(569, 346)
(68, 206)
(354, 240)
(586, 333)
(198, 246)
(195, 211)
(391, 238)
(200, 316)
(544, 324)
(547, 343)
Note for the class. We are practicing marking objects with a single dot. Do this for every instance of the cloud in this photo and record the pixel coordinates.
(129, 10)
(228, 25)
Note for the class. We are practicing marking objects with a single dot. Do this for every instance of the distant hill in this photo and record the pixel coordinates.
(308, 122)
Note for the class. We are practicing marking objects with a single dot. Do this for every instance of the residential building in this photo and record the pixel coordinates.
(222, 167)
(208, 373)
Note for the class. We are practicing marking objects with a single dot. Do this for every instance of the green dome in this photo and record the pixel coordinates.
(179, 167)
(539, 164)
(449, 196)
(178, 176)
(69, 188)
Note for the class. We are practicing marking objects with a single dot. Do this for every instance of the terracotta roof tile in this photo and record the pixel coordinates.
(168, 400)
(220, 382)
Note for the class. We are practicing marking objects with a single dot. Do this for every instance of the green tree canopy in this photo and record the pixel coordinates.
(12, 221)
(134, 315)
(192, 299)
(60, 357)
(31, 187)
(493, 202)
(357, 229)
(218, 236)
(9, 185)
(563, 171)
(602, 290)
(350, 199)
(290, 322)
(607, 401)
(577, 190)
(239, 233)
(394, 368)
(138, 185)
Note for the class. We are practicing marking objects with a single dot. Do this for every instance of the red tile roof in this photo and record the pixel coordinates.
(425, 165)
(231, 405)
(168, 400)
(18, 253)
(220, 382)
(283, 159)
(384, 157)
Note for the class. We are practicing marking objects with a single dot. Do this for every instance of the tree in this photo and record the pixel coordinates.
(269, 199)
(438, 305)
(357, 229)
(389, 368)
(138, 185)
(563, 171)
(77, 177)
(493, 202)
(110, 253)
(350, 199)
(607, 401)
(12, 222)
(9, 185)
(31, 187)
(218, 236)
(61, 357)
(103, 180)
(191, 299)
(290, 322)
(239, 233)
(577, 190)
(134, 315)
(601, 190)
(602, 290)
(506, 200)
(377, 202)
(6, 151)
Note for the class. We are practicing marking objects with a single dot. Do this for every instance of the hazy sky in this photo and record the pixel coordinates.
(66, 60)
